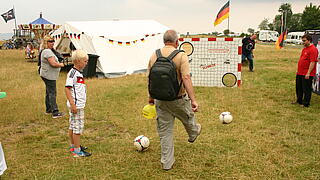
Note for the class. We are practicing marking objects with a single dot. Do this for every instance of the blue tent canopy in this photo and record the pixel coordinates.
(40, 21)
(40, 27)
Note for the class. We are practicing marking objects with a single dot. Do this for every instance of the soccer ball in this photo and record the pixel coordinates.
(141, 143)
(225, 117)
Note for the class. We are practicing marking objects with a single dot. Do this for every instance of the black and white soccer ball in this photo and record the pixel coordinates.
(141, 143)
(225, 117)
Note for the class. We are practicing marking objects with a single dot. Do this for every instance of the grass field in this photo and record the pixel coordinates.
(268, 139)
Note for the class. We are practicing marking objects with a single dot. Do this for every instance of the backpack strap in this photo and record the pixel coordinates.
(158, 53)
(173, 54)
(170, 57)
(39, 57)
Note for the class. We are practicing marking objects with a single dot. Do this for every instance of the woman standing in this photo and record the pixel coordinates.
(49, 72)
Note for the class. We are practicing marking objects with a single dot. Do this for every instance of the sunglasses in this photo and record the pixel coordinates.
(51, 41)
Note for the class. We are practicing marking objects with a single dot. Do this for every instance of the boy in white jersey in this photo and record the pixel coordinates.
(76, 100)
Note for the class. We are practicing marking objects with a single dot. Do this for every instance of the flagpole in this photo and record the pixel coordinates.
(282, 22)
(229, 18)
(15, 21)
(228, 24)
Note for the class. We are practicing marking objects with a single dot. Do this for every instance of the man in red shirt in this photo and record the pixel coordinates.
(306, 71)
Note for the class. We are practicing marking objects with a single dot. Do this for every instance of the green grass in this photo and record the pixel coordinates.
(268, 139)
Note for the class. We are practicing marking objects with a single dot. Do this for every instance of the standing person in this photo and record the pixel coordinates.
(182, 107)
(49, 72)
(306, 71)
(76, 101)
(248, 44)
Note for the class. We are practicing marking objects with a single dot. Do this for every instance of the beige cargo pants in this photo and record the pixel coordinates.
(167, 111)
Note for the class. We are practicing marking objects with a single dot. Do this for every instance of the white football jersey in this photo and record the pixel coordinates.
(75, 82)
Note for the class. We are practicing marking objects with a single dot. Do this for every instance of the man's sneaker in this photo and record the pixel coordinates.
(81, 154)
(191, 140)
(57, 115)
(48, 112)
(82, 148)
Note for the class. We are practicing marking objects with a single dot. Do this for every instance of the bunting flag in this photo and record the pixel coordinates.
(222, 14)
(127, 43)
(280, 41)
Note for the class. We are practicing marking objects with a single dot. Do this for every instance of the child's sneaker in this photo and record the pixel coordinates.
(83, 148)
(81, 154)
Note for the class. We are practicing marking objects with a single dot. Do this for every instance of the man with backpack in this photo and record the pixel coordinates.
(170, 89)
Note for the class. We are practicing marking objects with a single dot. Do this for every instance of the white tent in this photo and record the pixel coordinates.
(124, 47)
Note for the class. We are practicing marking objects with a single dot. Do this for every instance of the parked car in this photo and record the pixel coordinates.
(294, 37)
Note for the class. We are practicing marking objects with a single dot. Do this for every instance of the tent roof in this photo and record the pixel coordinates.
(118, 28)
(40, 21)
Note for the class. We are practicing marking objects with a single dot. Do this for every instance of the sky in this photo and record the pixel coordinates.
(193, 16)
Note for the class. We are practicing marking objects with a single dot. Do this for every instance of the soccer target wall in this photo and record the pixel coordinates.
(214, 61)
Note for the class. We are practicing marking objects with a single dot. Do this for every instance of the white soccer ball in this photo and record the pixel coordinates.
(225, 117)
(141, 143)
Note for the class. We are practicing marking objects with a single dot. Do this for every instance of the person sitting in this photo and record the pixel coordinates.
(30, 54)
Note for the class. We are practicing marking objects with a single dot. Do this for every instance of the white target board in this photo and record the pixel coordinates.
(214, 62)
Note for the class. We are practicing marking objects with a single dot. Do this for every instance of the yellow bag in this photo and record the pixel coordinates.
(149, 111)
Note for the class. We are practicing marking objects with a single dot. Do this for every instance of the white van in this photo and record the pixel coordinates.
(294, 37)
(267, 35)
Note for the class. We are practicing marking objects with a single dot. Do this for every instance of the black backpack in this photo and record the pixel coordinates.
(163, 78)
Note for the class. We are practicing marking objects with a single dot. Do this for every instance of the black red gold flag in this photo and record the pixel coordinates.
(280, 41)
(222, 14)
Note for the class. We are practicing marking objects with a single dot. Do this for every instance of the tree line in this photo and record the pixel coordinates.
(309, 19)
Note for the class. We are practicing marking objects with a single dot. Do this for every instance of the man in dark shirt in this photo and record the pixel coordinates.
(248, 44)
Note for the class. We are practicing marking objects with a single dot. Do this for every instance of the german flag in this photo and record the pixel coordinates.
(222, 14)
(280, 41)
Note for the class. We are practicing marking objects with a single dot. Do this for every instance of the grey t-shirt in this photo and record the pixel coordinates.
(46, 70)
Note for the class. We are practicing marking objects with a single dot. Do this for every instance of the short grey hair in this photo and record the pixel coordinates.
(79, 55)
(170, 36)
